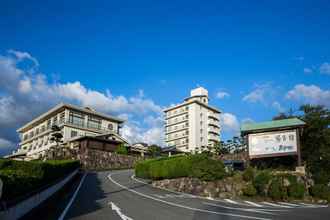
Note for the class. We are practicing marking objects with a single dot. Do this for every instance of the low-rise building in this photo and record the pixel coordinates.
(73, 122)
(194, 125)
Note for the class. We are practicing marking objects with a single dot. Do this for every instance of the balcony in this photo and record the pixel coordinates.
(181, 112)
(214, 117)
(175, 122)
(176, 138)
(213, 123)
(84, 126)
(179, 128)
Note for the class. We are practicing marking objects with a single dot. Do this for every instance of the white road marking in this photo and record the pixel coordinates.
(241, 209)
(254, 204)
(313, 205)
(115, 208)
(182, 206)
(289, 204)
(72, 199)
(168, 190)
(231, 201)
(277, 205)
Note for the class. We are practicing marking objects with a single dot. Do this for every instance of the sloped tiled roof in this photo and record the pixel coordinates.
(269, 125)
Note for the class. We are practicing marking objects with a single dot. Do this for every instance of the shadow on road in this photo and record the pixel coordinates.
(90, 197)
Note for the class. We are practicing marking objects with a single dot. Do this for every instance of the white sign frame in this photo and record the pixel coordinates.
(274, 146)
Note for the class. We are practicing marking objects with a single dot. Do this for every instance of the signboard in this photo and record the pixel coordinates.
(270, 144)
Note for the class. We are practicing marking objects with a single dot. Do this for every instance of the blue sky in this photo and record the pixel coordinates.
(256, 58)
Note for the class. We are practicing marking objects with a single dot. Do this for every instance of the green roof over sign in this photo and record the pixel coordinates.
(268, 125)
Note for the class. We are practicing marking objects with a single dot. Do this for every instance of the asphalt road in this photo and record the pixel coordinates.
(116, 195)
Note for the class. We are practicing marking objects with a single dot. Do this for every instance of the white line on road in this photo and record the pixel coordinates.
(254, 204)
(115, 208)
(313, 205)
(172, 191)
(277, 205)
(241, 209)
(182, 206)
(231, 201)
(289, 204)
(72, 199)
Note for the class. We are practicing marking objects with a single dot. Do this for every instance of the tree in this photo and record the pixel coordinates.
(154, 150)
(315, 148)
(315, 140)
(121, 149)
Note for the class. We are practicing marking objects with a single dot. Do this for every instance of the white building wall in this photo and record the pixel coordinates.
(199, 128)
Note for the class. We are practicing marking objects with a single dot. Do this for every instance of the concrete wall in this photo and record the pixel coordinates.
(22, 208)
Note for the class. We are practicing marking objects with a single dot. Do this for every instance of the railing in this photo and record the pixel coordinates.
(167, 116)
(82, 125)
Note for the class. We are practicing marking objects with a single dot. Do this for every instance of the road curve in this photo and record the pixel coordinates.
(116, 195)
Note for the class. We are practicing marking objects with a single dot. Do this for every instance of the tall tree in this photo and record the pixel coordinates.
(315, 141)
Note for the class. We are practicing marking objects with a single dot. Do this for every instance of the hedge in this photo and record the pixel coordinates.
(320, 191)
(261, 181)
(199, 166)
(22, 177)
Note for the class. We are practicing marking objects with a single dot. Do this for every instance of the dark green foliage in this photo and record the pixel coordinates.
(21, 177)
(315, 141)
(320, 191)
(279, 163)
(296, 190)
(207, 169)
(199, 166)
(162, 168)
(248, 174)
(121, 149)
(155, 150)
(277, 190)
(249, 190)
(261, 181)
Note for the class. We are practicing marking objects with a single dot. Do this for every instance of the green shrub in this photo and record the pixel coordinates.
(164, 168)
(261, 181)
(277, 190)
(121, 149)
(21, 177)
(199, 166)
(320, 191)
(296, 190)
(208, 169)
(249, 190)
(248, 174)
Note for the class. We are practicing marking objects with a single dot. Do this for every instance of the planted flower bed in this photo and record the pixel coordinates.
(22, 177)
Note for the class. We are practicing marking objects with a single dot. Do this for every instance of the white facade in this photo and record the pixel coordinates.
(73, 122)
(192, 126)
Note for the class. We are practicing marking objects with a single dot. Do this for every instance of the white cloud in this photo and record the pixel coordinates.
(229, 123)
(258, 94)
(308, 70)
(276, 105)
(247, 121)
(134, 134)
(222, 95)
(26, 93)
(23, 56)
(325, 68)
(304, 94)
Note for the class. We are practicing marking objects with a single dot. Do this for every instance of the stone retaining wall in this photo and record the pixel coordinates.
(101, 160)
(226, 188)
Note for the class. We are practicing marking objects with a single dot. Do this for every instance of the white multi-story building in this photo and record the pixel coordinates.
(73, 122)
(192, 126)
